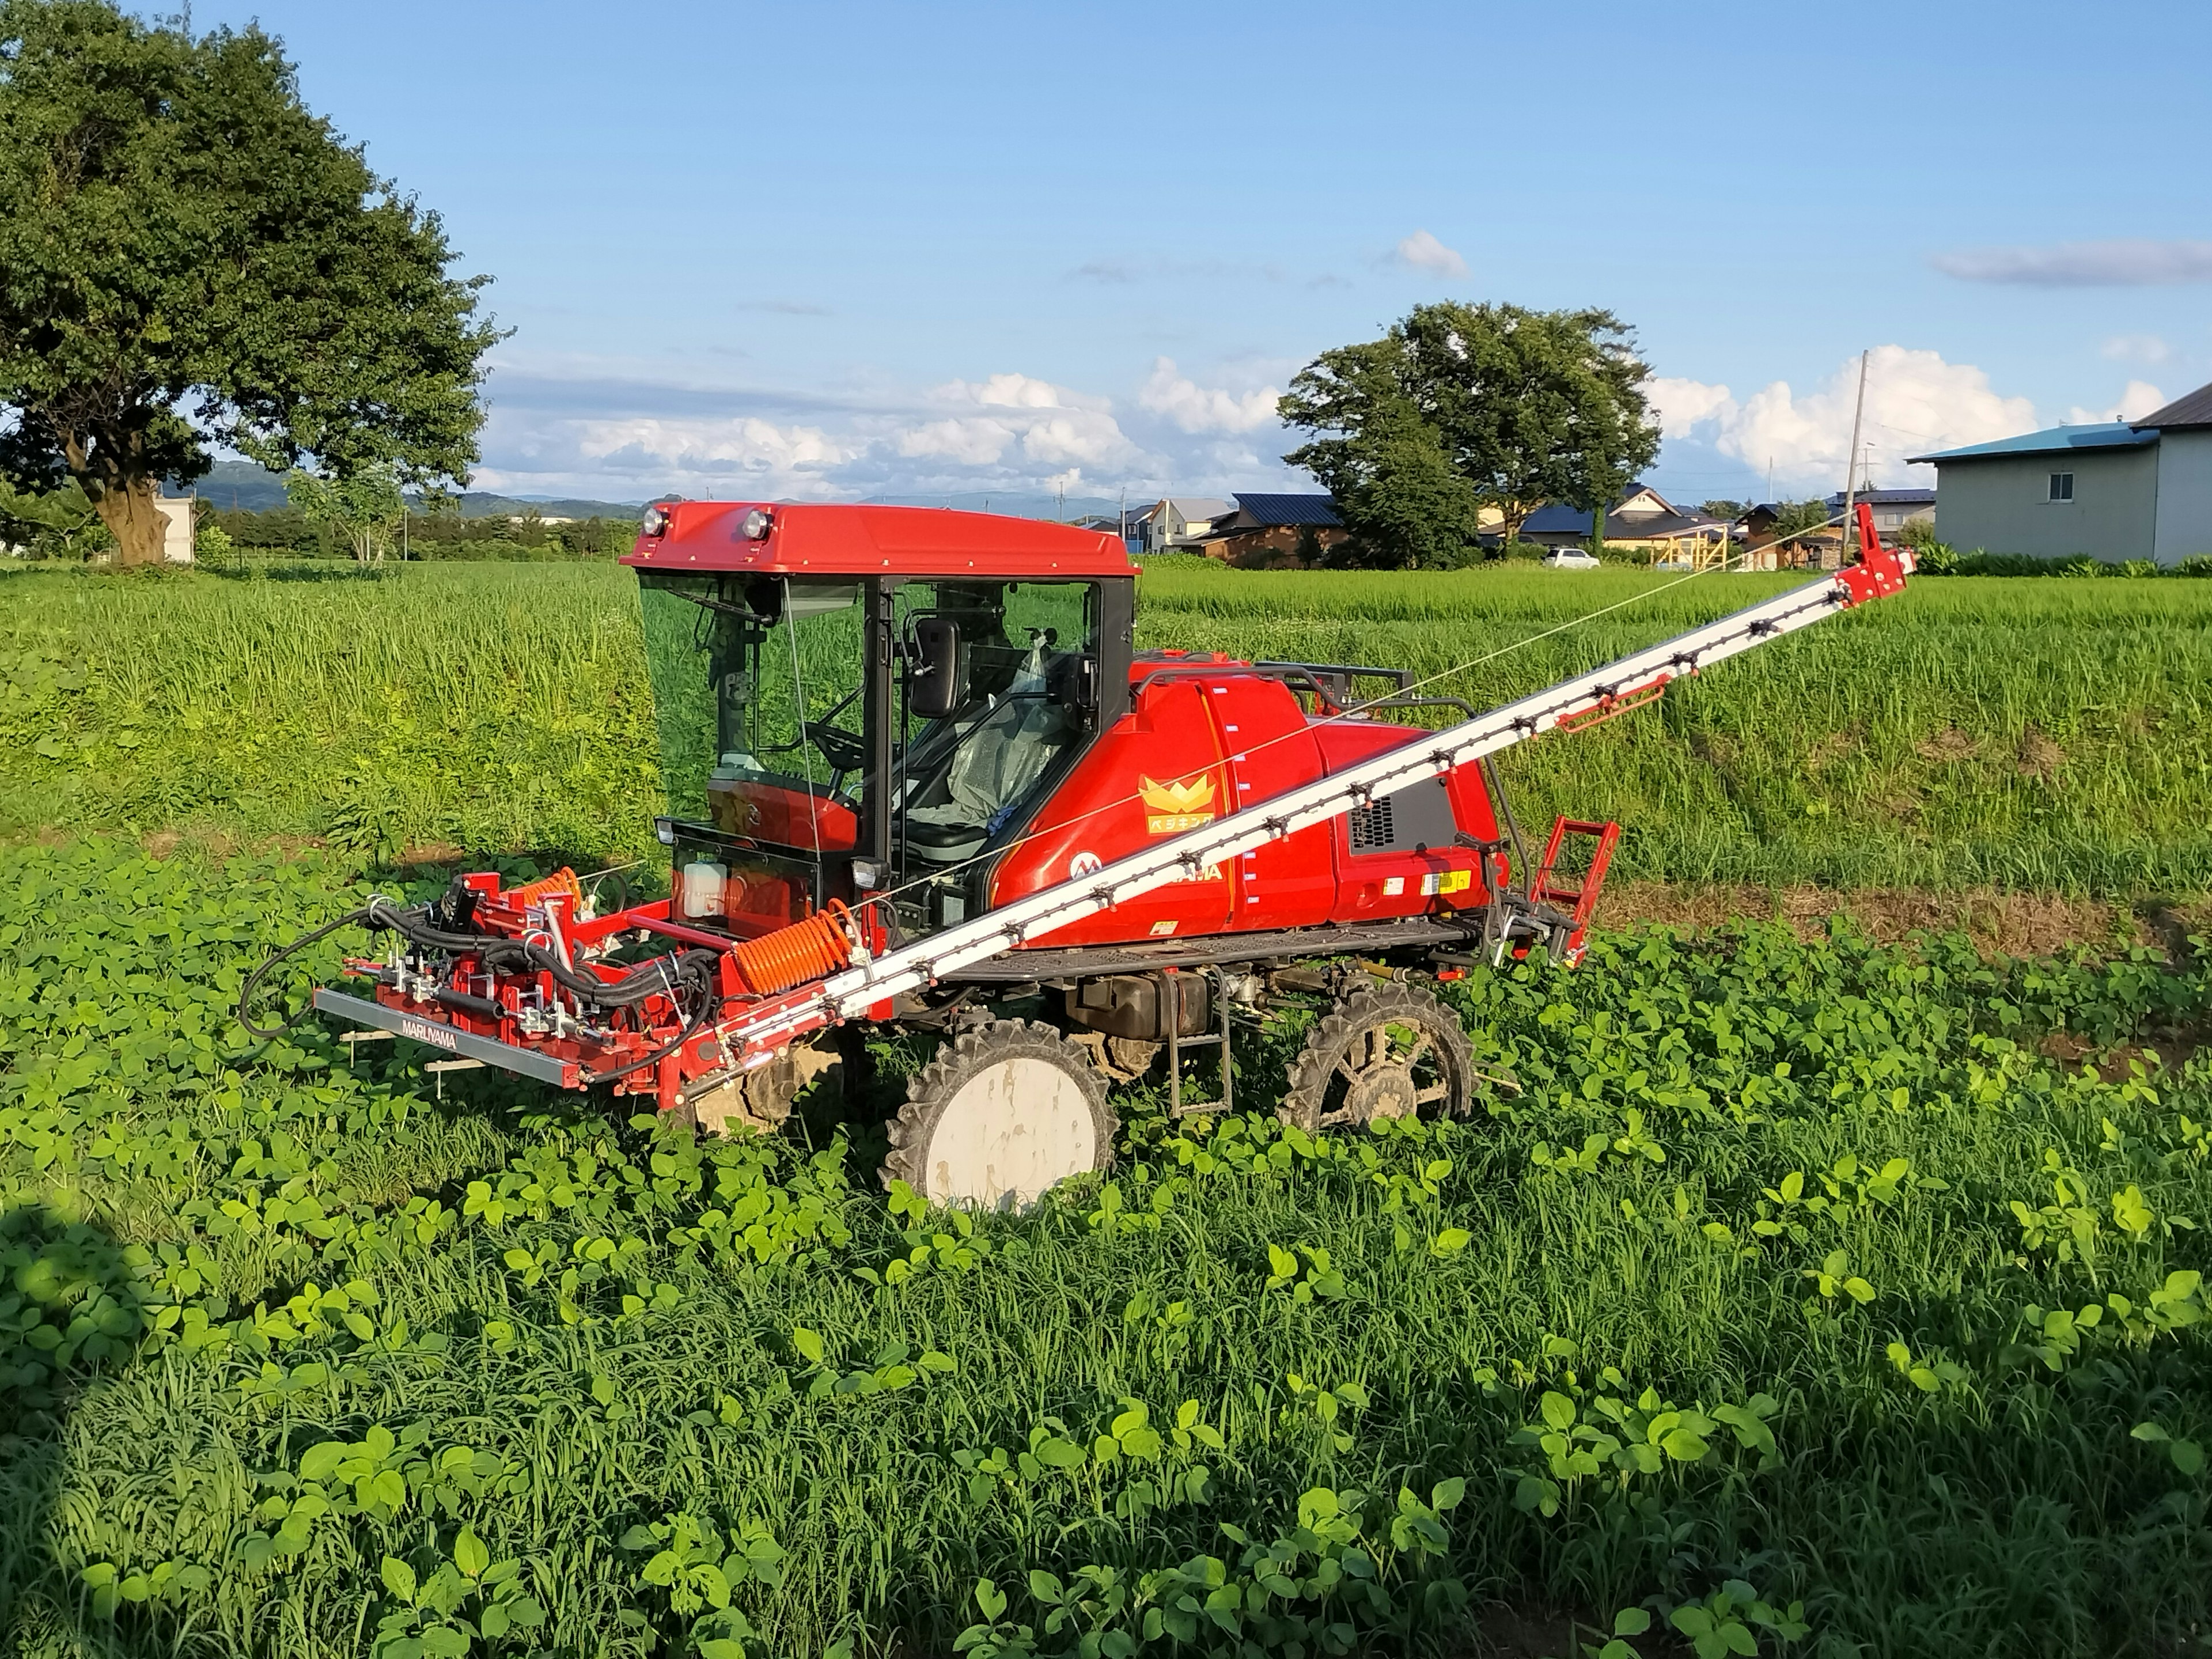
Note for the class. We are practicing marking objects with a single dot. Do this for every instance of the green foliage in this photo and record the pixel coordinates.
(1387, 466)
(194, 257)
(293, 1357)
(365, 506)
(1463, 407)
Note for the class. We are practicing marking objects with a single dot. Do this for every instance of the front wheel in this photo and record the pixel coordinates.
(1387, 1051)
(1002, 1113)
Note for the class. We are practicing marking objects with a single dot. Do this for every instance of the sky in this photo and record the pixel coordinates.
(838, 250)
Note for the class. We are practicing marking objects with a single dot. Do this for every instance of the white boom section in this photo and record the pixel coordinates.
(759, 1030)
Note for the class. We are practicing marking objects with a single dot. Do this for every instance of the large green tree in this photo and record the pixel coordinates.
(1382, 459)
(1524, 407)
(189, 258)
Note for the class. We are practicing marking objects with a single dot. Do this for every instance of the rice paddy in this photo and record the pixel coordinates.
(1809, 1296)
(2044, 735)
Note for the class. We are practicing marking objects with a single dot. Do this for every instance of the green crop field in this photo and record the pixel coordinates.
(2047, 735)
(1807, 1297)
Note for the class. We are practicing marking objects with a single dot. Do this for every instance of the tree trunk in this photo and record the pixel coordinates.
(126, 507)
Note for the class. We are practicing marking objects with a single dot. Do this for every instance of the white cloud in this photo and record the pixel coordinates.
(1422, 251)
(1193, 408)
(1915, 402)
(2130, 262)
(1048, 424)
(769, 458)
(1682, 405)
(2137, 399)
(2136, 349)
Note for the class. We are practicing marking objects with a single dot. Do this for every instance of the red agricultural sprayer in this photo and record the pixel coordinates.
(917, 775)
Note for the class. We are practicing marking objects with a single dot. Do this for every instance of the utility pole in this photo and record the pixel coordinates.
(1850, 460)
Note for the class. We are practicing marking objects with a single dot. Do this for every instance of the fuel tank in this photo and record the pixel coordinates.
(1206, 735)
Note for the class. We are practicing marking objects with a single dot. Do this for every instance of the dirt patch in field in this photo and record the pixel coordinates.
(1948, 744)
(2017, 924)
(2039, 757)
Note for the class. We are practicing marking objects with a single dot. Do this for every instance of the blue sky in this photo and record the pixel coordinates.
(840, 250)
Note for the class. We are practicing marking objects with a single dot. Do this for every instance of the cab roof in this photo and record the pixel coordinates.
(817, 540)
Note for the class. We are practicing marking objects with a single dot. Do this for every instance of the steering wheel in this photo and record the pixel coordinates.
(844, 752)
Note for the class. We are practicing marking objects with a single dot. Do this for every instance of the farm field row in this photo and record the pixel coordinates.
(2039, 735)
(1809, 1296)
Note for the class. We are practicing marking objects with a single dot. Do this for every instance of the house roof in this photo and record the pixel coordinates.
(1889, 498)
(1557, 518)
(1262, 511)
(2194, 409)
(2052, 440)
(1195, 507)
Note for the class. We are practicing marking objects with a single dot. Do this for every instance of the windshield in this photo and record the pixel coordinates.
(755, 688)
(1030, 650)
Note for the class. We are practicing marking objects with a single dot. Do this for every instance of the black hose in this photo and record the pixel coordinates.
(698, 1019)
(360, 918)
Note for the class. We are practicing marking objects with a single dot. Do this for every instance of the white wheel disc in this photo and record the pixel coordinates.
(1009, 1132)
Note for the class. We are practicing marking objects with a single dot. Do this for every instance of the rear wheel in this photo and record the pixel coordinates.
(1002, 1113)
(1388, 1051)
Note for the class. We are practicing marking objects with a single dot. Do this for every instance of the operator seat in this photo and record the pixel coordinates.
(994, 767)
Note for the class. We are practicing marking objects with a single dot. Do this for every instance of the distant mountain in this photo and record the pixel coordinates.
(1014, 504)
(476, 504)
(242, 486)
(238, 487)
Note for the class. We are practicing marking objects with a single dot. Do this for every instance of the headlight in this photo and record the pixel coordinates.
(866, 875)
(665, 828)
(759, 521)
(655, 521)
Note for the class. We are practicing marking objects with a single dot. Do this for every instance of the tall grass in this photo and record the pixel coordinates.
(2049, 735)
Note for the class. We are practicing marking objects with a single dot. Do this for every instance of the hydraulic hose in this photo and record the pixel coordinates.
(693, 970)
(360, 918)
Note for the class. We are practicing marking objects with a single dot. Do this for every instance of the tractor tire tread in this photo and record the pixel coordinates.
(929, 1091)
(1361, 1011)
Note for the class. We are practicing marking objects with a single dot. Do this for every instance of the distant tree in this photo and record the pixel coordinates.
(1792, 517)
(1403, 504)
(189, 257)
(1525, 406)
(365, 507)
(1724, 508)
(1534, 406)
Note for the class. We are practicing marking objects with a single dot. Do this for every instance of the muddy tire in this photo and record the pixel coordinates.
(1387, 1051)
(1116, 1059)
(1001, 1114)
(761, 1099)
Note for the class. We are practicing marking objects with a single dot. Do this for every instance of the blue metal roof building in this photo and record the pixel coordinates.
(2114, 489)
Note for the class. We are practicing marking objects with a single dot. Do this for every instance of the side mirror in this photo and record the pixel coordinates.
(937, 677)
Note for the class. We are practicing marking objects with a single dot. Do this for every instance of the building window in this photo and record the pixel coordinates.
(2062, 486)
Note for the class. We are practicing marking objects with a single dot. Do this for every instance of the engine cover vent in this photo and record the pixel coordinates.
(1370, 827)
(1416, 818)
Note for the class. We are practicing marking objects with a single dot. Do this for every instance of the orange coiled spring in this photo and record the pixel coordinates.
(561, 881)
(791, 956)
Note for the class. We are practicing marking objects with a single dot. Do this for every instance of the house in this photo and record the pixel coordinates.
(177, 513)
(1173, 524)
(1281, 530)
(1642, 520)
(2113, 490)
(1892, 509)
